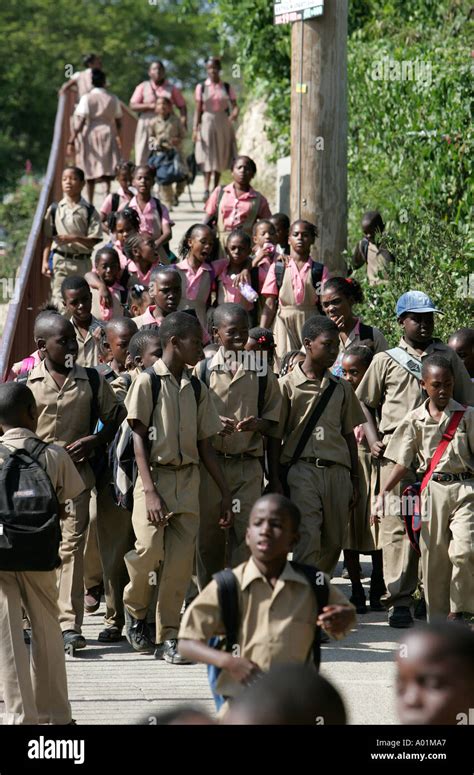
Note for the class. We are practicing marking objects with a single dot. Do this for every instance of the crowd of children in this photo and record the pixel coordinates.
(228, 408)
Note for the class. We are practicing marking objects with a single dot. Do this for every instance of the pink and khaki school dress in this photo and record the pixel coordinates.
(137, 277)
(149, 92)
(296, 303)
(236, 212)
(124, 201)
(361, 536)
(216, 146)
(196, 289)
(150, 221)
(99, 153)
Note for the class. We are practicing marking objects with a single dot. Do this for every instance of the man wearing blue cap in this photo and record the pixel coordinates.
(391, 387)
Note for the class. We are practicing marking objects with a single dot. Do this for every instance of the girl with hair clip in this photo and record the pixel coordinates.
(197, 251)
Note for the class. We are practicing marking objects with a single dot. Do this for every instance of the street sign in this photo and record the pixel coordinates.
(287, 11)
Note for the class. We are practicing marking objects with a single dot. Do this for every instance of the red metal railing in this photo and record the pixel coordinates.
(31, 288)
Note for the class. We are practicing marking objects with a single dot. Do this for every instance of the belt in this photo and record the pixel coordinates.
(171, 467)
(452, 477)
(72, 255)
(242, 456)
(319, 462)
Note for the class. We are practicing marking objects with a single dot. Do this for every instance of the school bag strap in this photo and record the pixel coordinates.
(364, 248)
(406, 361)
(155, 381)
(205, 376)
(311, 424)
(54, 208)
(115, 202)
(318, 583)
(446, 439)
(228, 596)
(158, 207)
(366, 332)
(317, 270)
(94, 382)
(35, 448)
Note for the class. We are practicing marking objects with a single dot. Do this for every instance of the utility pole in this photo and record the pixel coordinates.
(319, 129)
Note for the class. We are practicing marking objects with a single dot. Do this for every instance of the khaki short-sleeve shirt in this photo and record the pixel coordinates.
(177, 422)
(88, 353)
(72, 218)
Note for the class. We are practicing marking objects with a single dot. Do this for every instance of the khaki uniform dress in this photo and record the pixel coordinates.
(177, 425)
(447, 508)
(99, 151)
(64, 417)
(276, 624)
(322, 494)
(35, 692)
(388, 387)
(291, 317)
(72, 258)
(362, 537)
(234, 396)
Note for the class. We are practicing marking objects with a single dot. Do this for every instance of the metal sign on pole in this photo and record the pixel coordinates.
(288, 11)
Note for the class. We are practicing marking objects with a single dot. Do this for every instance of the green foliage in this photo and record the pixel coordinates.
(15, 218)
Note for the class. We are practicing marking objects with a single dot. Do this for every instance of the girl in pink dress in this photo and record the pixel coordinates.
(197, 272)
(118, 201)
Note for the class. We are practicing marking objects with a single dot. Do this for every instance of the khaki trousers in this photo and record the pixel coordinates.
(65, 267)
(168, 193)
(323, 496)
(71, 572)
(447, 547)
(173, 546)
(92, 562)
(35, 685)
(400, 561)
(244, 479)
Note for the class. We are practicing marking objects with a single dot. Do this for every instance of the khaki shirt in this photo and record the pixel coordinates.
(60, 468)
(389, 387)
(121, 384)
(163, 131)
(64, 414)
(236, 396)
(418, 436)
(276, 624)
(339, 418)
(71, 218)
(177, 423)
(88, 353)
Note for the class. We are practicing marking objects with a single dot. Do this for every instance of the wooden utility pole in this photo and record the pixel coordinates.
(319, 129)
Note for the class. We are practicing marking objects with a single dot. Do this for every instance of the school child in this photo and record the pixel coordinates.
(232, 275)
(71, 229)
(391, 387)
(166, 496)
(261, 340)
(292, 292)
(115, 202)
(154, 216)
(264, 238)
(435, 675)
(361, 539)
(315, 440)
(246, 397)
(118, 334)
(281, 223)
(142, 256)
(138, 300)
(107, 267)
(165, 293)
(278, 610)
(24, 366)
(70, 400)
(337, 301)
(462, 342)
(33, 692)
(290, 360)
(237, 205)
(447, 491)
(167, 134)
(196, 251)
(127, 223)
(77, 301)
(368, 250)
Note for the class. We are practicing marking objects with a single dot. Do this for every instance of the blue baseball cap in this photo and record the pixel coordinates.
(415, 301)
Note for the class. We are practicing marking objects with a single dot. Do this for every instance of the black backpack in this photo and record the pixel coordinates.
(30, 531)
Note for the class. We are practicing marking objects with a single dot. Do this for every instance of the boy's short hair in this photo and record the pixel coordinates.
(372, 221)
(41, 316)
(140, 340)
(15, 398)
(98, 77)
(316, 325)
(108, 251)
(178, 324)
(228, 310)
(457, 640)
(435, 362)
(284, 504)
(47, 322)
(117, 325)
(73, 283)
(162, 269)
(360, 351)
(77, 171)
(241, 234)
(465, 335)
(282, 218)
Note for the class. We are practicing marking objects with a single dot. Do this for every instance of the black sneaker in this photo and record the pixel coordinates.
(358, 600)
(73, 640)
(137, 634)
(401, 617)
(169, 652)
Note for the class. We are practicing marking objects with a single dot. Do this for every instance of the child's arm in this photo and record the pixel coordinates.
(377, 447)
(269, 311)
(209, 458)
(157, 510)
(45, 270)
(94, 281)
(378, 510)
(337, 620)
(241, 670)
(165, 235)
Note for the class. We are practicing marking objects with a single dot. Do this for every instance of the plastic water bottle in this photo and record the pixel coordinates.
(248, 292)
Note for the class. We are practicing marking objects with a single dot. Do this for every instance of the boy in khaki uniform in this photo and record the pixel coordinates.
(76, 230)
(278, 610)
(63, 395)
(393, 390)
(168, 134)
(447, 502)
(36, 692)
(166, 496)
(77, 304)
(323, 482)
(234, 387)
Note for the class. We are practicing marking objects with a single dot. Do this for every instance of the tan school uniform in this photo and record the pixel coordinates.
(168, 134)
(361, 536)
(321, 493)
(72, 258)
(276, 623)
(234, 396)
(447, 508)
(387, 386)
(64, 417)
(35, 692)
(378, 345)
(178, 424)
(291, 317)
(88, 352)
